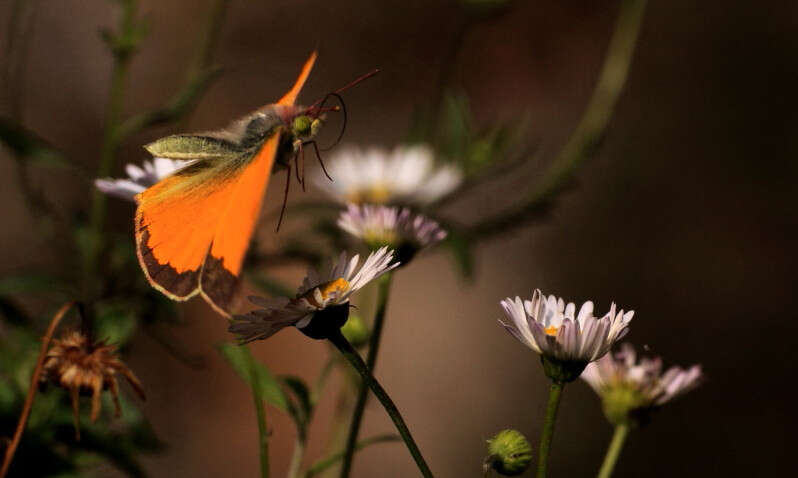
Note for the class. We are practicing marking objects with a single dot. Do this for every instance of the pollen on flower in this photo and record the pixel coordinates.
(338, 285)
(551, 330)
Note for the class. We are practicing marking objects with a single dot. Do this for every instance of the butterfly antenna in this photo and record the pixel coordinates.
(347, 86)
(285, 197)
(318, 155)
(343, 126)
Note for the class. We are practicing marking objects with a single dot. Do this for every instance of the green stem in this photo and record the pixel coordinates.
(586, 137)
(555, 392)
(110, 142)
(297, 457)
(260, 410)
(351, 355)
(614, 451)
(332, 459)
(300, 444)
(384, 285)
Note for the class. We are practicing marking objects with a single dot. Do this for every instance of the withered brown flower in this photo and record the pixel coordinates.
(85, 367)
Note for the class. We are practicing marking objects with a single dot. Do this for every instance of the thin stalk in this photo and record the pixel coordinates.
(555, 392)
(298, 455)
(300, 444)
(260, 411)
(384, 287)
(34, 385)
(589, 132)
(351, 355)
(330, 460)
(110, 142)
(614, 451)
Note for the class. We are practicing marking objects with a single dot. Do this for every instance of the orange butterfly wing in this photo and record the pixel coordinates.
(234, 229)
(193, 240)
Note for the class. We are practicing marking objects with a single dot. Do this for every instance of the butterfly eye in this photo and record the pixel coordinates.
(303, 125)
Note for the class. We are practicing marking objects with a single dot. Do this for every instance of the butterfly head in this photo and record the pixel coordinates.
(306, 125)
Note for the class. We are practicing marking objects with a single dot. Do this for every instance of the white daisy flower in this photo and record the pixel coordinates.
(556, 331)
(407, 175)
(395, 227)
(139, 178)
(326, 293)
(643, 378)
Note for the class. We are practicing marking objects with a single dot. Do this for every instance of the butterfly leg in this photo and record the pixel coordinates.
(318, 155)
(301, 165)
(285, 196)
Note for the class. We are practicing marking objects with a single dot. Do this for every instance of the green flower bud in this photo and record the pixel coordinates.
(560, 371)
(509, 453)
(623, 404)
(355, 331)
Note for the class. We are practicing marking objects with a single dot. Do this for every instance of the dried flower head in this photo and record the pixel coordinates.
(83, 367)
(321, 302)
(628, 386)
(139, 178)
(398, 228)
(406, 175)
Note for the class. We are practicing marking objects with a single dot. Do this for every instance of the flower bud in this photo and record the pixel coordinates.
(509, 453)
(623, 404)
(355, 331)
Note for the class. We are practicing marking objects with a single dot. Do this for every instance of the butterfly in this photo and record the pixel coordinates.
(193, 227)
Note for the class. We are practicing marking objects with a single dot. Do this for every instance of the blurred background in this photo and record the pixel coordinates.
(686, 214)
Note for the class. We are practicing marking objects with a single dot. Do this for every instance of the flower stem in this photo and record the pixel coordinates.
(34, 385)
(260, 411)
(555, 392)
(362, 394)
(297, 457)
(586, 138)
(614, 451)
(351, 355)
(110, 143)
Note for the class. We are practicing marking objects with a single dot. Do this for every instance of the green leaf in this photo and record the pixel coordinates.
(322, 465)
(300, 407)
(240, 358)
(28, 282)
(462, 252)
(115, 322)
(27, 145)
(456, 127)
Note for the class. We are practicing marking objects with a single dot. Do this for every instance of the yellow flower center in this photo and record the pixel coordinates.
(375, 194)
(551, 330)
(338, 285)
(378, 194)
(327, 288)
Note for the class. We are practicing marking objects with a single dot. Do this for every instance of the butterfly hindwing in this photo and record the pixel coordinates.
(218, 281)
(172, 238)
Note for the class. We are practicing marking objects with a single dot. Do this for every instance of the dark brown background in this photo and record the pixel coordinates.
(687, 215)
